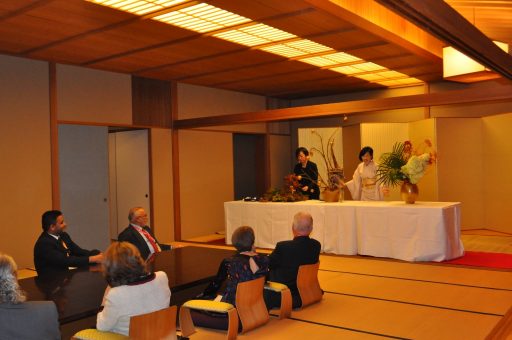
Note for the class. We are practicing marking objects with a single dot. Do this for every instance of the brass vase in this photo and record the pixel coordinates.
(409, 192)
(331, 195)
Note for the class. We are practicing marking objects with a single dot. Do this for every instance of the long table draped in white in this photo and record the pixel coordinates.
(425, 231)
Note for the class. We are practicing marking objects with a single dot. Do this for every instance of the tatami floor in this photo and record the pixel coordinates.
(370, 298)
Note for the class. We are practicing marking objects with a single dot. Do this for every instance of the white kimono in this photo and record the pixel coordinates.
(364, 185)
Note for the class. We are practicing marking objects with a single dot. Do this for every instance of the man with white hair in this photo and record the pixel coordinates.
(289, 255)
(140, 235)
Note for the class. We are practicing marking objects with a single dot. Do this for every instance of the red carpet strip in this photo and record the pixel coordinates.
(481, 259)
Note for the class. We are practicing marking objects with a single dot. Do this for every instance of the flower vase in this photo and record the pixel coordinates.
(409, 192)
(331, 195)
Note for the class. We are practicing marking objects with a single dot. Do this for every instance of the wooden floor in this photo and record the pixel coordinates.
(370, 298)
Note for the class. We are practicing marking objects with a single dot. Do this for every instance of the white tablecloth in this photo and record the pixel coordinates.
(424, 231)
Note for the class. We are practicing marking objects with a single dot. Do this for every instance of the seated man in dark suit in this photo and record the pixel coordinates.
(139, 234)
(20, 319)
(288, 256)
(54, 249)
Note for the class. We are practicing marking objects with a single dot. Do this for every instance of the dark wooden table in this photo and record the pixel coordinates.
(78, 293)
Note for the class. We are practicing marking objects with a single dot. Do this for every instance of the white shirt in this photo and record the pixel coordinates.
(123, 302)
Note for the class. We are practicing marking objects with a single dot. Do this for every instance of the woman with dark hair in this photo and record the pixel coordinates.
(131, 290)
(364, 185)
(308, 174)
(20, 319)
(245, 265)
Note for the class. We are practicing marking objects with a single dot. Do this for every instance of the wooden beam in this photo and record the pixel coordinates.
(372, 17)
(480, 94)
(175, 163)
(439, 18)
(54, 136)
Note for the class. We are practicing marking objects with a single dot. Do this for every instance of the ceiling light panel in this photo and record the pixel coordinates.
(257, 34)
(202, 18)
(392, 74)
(331, 59)
(400, 82)
(139, 7)
(296, 48)
(371, 77)
(348, 70)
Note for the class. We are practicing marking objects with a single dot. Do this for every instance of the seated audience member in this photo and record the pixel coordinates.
(131, 289)
(139, 234)
(54, 249)
(19, 319)
(245, 265)
(286, 258)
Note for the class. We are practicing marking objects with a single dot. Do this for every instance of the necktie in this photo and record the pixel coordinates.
(64, 245)
(151, 240)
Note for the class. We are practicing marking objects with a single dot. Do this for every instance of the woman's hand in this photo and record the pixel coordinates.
(305, 188)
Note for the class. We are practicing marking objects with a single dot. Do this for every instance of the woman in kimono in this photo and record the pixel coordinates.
(364, 185)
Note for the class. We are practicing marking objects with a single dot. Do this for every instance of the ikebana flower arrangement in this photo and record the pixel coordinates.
(405, 164)
(289, 192)
(334, 179)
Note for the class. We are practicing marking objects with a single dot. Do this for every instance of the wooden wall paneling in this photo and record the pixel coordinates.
(151, 183)
(472, 95)
(54, 136)
(175, 162)
(445, 23)
(151, 102)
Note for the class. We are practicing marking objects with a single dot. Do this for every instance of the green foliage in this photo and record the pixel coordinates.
(389, 171)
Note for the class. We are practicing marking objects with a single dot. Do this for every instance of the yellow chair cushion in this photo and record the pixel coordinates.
(275, 286)
(94, 334)
(212, 306)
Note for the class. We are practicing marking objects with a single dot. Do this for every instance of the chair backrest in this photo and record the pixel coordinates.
(308, 285)
(156, 325)
(250, 304)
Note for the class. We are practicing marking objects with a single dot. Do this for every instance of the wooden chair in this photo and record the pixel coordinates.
(250, 308)
(285, 310)
(308, 285)
(156, 325)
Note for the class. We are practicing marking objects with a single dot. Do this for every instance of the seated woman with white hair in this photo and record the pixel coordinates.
(20, 319)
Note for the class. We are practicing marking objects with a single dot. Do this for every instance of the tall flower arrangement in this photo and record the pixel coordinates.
(405, 164)
(334, 179)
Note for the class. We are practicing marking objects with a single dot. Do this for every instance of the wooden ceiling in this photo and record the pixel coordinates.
(493, 18)
(86, 34)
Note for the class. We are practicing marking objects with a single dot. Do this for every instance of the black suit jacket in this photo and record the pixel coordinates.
(29, 321)
(288, 256)
(50, 254)
(130, 234)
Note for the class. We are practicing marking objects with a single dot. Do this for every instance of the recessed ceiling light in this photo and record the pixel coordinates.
(201, 18)
(139, 7)
(256, 34)
(204, 18)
